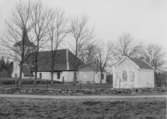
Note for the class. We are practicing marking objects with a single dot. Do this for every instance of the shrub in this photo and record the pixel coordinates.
(91, 103)
(10, 81)
(7, 82)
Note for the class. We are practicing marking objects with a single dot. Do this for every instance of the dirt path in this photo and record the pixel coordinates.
(98, 97)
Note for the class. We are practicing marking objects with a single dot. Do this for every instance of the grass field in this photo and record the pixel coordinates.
(14, 108)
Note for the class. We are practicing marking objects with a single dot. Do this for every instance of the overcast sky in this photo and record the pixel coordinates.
(145, 20)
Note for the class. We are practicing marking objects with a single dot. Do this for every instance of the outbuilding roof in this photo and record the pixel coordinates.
(90, 66)
(139, 62)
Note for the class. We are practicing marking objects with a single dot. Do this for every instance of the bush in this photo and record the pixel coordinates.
(10, 81)
(161, 79)
(4, 73)
(91, 103)
(7, 82)
(109, 79)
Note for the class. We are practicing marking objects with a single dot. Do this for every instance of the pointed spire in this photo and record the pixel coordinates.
(27, 42)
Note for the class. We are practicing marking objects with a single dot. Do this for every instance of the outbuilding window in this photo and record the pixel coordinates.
(40, 75)
(132, 76)
(124, 76)
(58, 75)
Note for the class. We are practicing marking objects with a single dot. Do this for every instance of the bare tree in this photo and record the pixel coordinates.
(155, 57)
(40, 18)
(81, 34)
(90, 53)
(102, 58)
(57, 33)
(126, 47)
(18, 30)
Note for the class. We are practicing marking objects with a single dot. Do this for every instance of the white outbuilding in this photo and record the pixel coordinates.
(90, 73)
(132, 73)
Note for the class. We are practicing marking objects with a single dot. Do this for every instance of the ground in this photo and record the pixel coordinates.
(84, 89)
(31, 108)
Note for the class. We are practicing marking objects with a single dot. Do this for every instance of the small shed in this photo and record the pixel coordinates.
(90, 73)
(132, 73)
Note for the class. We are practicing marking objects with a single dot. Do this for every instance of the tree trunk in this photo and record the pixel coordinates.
(36, 67)
(52, 66)
(101, 75)
(22, 58)
(75, 78)
(156, 82)
(76, 54)
(52, 78)
(20, 75)
(36, 62)
(52, 61)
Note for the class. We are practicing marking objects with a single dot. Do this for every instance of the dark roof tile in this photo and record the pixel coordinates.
(44, 61)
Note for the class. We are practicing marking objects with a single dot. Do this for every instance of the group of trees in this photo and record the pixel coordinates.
(34, 23)
(33, 27)
(153, 54)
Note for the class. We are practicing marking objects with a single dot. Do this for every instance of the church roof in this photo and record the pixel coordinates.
(27, 42)
(62, 61)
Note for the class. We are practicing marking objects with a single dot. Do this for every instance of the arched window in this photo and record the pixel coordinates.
(124, 76)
